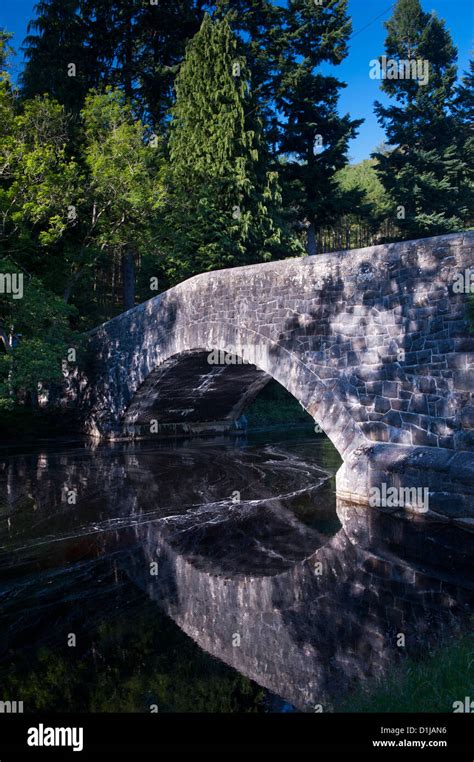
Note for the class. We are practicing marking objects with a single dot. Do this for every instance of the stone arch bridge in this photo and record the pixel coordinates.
(374, 343)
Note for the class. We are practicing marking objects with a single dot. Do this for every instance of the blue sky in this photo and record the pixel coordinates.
(366, 44)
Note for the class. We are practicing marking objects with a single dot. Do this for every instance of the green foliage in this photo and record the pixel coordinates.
(118, 197)
(431, 684)
(363, 177)
(124, 185)
(38, 177)
(224, 204)
(36, 336)
(427, 170)
(56, 38)
(275, 405)
(5, 49)
(126, 44)
(364, 220)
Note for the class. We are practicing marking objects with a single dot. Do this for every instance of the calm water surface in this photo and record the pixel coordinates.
(202, 575)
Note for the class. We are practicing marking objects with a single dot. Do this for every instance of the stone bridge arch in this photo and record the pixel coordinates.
(166, 371)
(210, 372)
(374, 343)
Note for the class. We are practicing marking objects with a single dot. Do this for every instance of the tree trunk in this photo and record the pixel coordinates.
(311, 246)
(32, 399)
(70, 286)
(128, 278)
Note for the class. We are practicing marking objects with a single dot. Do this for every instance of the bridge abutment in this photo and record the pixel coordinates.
(427, 483)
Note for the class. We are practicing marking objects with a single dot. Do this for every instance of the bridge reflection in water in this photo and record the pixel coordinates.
(241, 546)
(316, 630)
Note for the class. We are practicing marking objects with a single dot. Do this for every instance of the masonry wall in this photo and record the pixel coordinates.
(374, 343)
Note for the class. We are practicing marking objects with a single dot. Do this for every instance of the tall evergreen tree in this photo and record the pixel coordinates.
(464, 119)
(424, 173)
(284, 46)
(164, 29)
(464, 103)
(127, 44)
(224, 202)
(58, 60)
(313, 137)
(258, 25)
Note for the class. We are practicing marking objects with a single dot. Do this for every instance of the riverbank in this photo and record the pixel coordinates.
(274, 406)
(441, 682)
(24, 423)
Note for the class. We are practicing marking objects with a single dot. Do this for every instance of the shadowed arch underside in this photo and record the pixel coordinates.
(190, 392)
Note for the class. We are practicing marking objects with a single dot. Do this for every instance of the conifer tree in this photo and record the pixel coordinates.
(464, 104)
(284, 46)
(58, 60)
(258, 25)
(313, 136)
(128, 44)
(425, 174)
(464, 119)
(223, 202)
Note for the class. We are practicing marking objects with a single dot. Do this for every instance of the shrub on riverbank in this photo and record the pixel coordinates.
(433, 684)
(23, 423)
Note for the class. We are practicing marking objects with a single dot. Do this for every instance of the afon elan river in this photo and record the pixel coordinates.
(213, 575)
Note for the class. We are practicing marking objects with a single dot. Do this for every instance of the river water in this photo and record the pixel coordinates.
(205, 575)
